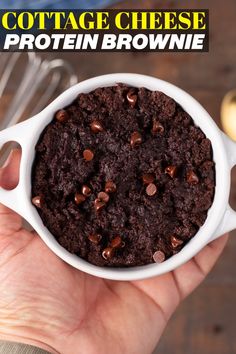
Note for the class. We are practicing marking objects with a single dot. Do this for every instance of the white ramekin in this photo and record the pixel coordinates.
(221, 218)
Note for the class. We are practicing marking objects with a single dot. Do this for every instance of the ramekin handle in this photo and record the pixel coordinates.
(17, 133)
(229, 220)
(230, 147)
(228, 223)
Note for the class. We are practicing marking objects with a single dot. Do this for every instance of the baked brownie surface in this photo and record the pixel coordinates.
(123, 177)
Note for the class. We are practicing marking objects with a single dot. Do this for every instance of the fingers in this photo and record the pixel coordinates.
(208, 256)
(9, 175)
(163, 291)
(169, 289)
(191, 274)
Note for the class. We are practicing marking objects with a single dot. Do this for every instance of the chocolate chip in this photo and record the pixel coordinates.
(157, 127)
(151, 189)
(108, 253)
(95, 238)
(136, 139)
(98, 204)
(175, 242)
(86, 190)
(132, 97)
(171, 171)
(104, 197)
(192, 177)
(62, 116)
(159, 257)
(37, 201)
(148, 178)
(110, 187)
(117, 242)
(79, 198)
(88, 155)
(96, 126)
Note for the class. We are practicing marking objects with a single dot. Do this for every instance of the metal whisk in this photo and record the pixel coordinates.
(40, 78)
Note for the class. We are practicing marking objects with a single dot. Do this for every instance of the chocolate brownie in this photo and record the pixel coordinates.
(122, 177)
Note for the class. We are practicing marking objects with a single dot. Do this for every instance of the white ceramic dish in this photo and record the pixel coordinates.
(221, 218)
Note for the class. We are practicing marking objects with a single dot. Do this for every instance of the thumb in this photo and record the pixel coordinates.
(9, 176)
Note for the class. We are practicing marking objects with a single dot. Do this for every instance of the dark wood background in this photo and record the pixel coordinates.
(206, 322)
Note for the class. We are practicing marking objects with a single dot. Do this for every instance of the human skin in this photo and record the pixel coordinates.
(46, 302)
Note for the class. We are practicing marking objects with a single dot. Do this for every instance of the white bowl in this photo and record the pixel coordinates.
(221, 218)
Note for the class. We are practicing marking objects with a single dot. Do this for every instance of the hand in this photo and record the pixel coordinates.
(46, 302)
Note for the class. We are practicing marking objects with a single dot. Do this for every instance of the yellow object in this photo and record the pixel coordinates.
(228, 114)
